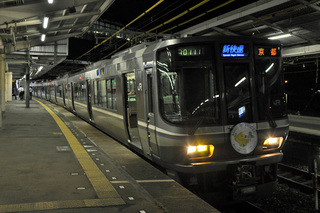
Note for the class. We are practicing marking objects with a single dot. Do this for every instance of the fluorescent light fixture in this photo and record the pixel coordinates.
(43, 37)
(45, 22)
(280, 36)
(50, 1)
(39, 70)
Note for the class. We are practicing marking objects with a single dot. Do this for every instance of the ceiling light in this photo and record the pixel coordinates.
(50, 1)
(43, 37)
(280, 36)
(45, 22)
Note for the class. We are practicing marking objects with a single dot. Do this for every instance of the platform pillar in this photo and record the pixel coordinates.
(27, 87)
(2, 78)
(8, 86)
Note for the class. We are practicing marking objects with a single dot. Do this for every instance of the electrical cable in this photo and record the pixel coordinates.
(142, 14)
(172, 19)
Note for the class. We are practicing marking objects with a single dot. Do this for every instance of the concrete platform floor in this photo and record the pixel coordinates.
(77, 168)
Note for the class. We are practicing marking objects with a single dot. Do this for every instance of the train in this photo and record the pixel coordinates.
(209, 110)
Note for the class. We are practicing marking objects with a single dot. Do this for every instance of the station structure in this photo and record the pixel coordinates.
(46, 39)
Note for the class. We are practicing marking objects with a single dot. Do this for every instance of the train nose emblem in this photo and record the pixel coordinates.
(244, 138)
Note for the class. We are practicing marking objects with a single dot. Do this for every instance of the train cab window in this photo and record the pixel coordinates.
(237, 92)
(188, 86)
(271, 96)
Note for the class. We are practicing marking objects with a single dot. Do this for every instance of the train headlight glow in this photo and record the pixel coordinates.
(272, 143)
(200, 151)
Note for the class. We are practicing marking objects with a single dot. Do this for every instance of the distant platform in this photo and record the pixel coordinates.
(305, 124)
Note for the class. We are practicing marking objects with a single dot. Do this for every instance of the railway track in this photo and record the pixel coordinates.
(296, 178)
(241, 208)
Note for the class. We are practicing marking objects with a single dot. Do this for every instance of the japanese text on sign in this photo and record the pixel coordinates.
(233, 50)
(269, 51)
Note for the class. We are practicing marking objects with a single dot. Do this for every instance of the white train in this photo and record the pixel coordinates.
(209, 110)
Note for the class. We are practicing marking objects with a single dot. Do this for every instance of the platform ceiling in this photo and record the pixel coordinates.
(89, 22)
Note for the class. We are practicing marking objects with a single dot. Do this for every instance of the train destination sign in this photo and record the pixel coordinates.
(267, 51)
(190, 51)
(234, 50)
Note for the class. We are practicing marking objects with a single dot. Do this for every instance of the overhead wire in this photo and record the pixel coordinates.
(172, 19)
(142, 14)
(192, 19)
(147, 22)
(162, 14)
(162, 24)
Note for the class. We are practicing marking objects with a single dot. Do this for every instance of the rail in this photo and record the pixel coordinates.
(296, 178)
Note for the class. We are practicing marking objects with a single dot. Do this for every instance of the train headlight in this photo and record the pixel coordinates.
(272, 143)
(200, 151)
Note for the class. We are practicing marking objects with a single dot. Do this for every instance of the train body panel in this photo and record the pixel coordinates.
(193, 105)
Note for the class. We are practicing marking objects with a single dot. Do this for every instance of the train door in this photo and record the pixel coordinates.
(68, 95)
(89, 100)
(72, 96)
(55, 93)
(151, 127)
(131, 109)
(64, 89)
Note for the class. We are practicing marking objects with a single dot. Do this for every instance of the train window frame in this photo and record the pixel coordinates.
(80, 92)
(104, 93)
(270, 90)
(242, 111)
(206, 63)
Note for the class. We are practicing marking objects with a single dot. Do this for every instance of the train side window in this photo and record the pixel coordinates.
(103, 93)
(109, 95)
(76, 92)
(59, 91)
(83, 92)
(150, 97)
(111, 98)
(113, 92)
(95, 93)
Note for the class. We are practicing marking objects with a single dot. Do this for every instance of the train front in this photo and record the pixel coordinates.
(222, 112)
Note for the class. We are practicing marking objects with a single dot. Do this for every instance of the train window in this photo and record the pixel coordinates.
(76, 88)
(100, 93)
(237, 92)
(188, 89)
(103, 94)
(59, 92)
(271, 97)
(95, 93)
(109, 95)
(80, 92)
(113, 92)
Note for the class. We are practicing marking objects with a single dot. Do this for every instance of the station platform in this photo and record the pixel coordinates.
(52, 161)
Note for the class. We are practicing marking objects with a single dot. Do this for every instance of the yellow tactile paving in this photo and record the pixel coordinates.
(105, 191)
(52, 205)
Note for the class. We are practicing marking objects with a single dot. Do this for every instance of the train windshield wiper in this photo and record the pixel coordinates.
(271, 121)
(202, 110)
(196, 126)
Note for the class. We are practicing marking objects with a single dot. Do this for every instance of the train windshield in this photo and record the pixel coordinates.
(270, 89)
(188, 89)
(238, 92)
